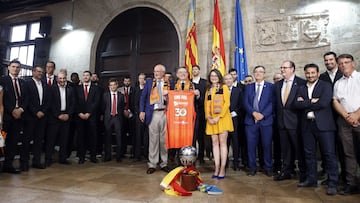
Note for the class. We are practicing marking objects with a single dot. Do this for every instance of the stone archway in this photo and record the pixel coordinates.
(134, 42)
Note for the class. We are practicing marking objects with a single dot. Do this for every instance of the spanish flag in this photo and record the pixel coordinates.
(218, 50)
(191, 53)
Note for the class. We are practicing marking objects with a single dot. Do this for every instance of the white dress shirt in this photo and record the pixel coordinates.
(347, 92)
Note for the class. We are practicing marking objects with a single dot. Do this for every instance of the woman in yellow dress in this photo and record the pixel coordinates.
(218, 120)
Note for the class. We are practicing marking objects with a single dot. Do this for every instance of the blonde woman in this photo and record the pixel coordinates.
(218, 120)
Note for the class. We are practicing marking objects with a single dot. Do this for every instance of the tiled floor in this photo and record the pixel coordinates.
(128, 182)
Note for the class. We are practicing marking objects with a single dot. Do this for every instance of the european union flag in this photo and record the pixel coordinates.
(239, 54)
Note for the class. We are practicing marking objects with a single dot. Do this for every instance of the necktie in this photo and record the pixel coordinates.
(126, 98)
(160, 93)
(86, 92)
(49, 82)
(287, 91)
(113, 108)
(182, 86)
(17, 92)
(256, 98)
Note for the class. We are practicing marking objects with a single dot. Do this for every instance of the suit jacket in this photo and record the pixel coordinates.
(131, 97)
(325, 77)
(322, 109)
(236, 100)
(54, 82)
(107, 98)
(137, 95)
(90, 105)
(145, 105)
(55, 108)
(266, 103)
(34, 105)
(199, 101)
(9, 98)
(287, 115)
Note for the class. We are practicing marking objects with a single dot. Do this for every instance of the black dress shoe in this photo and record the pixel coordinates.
(106, 159)
(65, 162)
(81, 161)
(236, 168)
(165, 169)
(282, 176)
(93, 160)
(11, 170)
(350, 190)
(150, 170)
(118, 160)
(24, 167)
(38, 166)
(268, 173)
(251, 173)
(307, 184)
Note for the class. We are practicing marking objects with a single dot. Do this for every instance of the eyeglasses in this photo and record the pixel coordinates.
(284, 67)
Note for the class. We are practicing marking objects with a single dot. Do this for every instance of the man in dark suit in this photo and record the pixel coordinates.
(314, 100)
(288, 122)
(152, 113)
(87, 104)
(15, 101)
(331, 75)
(50, 77)
(236, 103)
(199, 129)
(141, 132)
(113, 102)
(61, 112)
(36, 116)
(259, 105)
(128, 121)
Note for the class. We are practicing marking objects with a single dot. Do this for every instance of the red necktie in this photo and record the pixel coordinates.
(113, 108)
(49, 82)
(126, 99)
(86, 92)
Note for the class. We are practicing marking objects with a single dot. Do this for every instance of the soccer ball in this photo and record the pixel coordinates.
(187, 155)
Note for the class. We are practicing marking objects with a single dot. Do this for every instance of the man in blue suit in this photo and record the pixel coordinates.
(152, 112)
(259, 105)
(314, 100)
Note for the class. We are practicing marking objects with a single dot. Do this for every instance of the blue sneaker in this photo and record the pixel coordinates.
(213, 190)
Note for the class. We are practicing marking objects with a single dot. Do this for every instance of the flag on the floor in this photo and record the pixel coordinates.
(191, 53)
(239, 55)
(218, 49)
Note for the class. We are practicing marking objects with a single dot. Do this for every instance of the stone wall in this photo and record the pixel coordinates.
(275, 30)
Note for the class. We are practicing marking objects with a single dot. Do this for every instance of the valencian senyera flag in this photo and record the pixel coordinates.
(218, 49)
(240, 63)
(191, 53)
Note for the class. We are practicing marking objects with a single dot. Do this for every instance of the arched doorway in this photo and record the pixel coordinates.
(134, 42)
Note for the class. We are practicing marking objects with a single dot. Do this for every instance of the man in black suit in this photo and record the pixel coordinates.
(314, 100)
(50, 77)
(236, 98)
(288, 121)
(199, 129)
(15, 103)
(61, 112)
(113, 102)
(87, 104)
(128, 121)
(36, 116)
(331, 75)
(141, 134)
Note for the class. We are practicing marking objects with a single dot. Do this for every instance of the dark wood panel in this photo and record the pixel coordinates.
(120, 43)
(116, 63)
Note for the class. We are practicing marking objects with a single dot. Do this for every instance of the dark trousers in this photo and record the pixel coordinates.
(311, 135)
(253, 134)
(57, 131)
(87, 135)
(127, 134)
(276, 148)
(112, 125)
(233, 139)
(243, 144)
(13, 128)
(71, 138)
(34, 130)
(292, 148)
(199, 134)
(350, 138)
(140, 139)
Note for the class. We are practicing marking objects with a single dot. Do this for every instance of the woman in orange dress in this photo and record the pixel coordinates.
(218, 120)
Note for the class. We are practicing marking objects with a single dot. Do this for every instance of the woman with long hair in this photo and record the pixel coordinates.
(218, 120)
